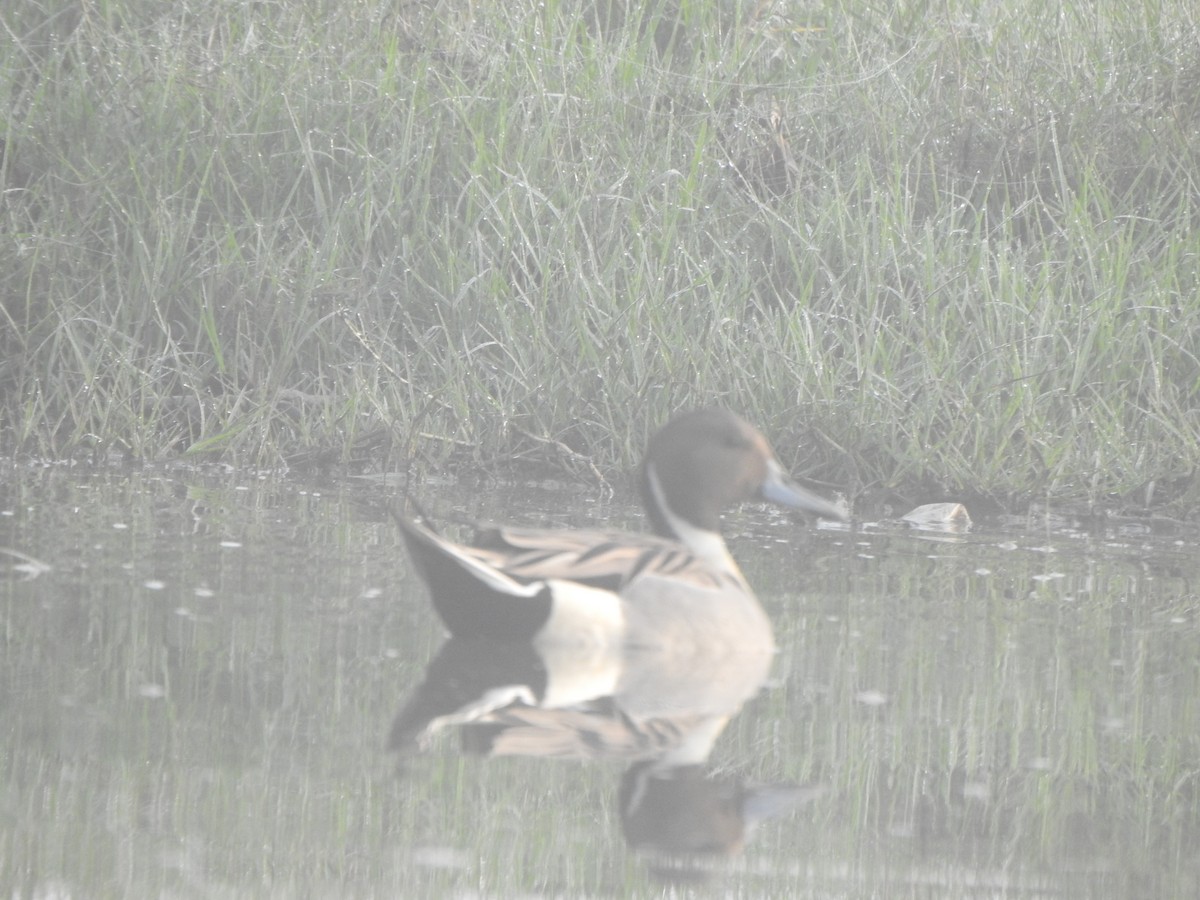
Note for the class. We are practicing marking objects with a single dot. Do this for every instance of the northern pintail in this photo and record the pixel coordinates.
(674, 592)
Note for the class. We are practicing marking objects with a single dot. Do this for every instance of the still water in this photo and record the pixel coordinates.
(199, 676)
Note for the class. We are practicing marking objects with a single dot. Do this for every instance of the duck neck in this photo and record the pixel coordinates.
(704, 543)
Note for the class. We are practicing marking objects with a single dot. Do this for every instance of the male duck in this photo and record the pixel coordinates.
(674, 593)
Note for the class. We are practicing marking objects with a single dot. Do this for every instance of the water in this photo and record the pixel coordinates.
(199, 674)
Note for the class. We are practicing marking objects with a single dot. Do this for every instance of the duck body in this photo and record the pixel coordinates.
(677, 594)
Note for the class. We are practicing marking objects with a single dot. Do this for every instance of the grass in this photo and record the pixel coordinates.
(935, 249)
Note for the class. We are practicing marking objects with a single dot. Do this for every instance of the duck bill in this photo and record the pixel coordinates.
(779, 488)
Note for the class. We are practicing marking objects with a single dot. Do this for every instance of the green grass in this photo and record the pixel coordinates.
(933, 248)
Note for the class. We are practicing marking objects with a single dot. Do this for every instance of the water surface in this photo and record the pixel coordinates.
(199, 674)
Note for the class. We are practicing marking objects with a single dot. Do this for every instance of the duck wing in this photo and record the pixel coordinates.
(607, 560)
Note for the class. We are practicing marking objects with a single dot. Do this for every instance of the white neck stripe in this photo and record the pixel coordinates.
(704, 544)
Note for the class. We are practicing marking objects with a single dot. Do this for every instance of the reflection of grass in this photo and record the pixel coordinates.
(943, 246)
(1032, 727)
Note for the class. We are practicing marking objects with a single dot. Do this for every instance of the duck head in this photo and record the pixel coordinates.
(707, 460)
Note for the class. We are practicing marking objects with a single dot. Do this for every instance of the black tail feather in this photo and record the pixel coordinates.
(473, 600)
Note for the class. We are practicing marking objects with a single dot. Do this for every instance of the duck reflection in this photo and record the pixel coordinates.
(658, 715)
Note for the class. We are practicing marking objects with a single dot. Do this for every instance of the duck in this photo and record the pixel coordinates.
(585, 595)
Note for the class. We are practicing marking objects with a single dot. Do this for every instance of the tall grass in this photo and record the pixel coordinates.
(932, 247)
